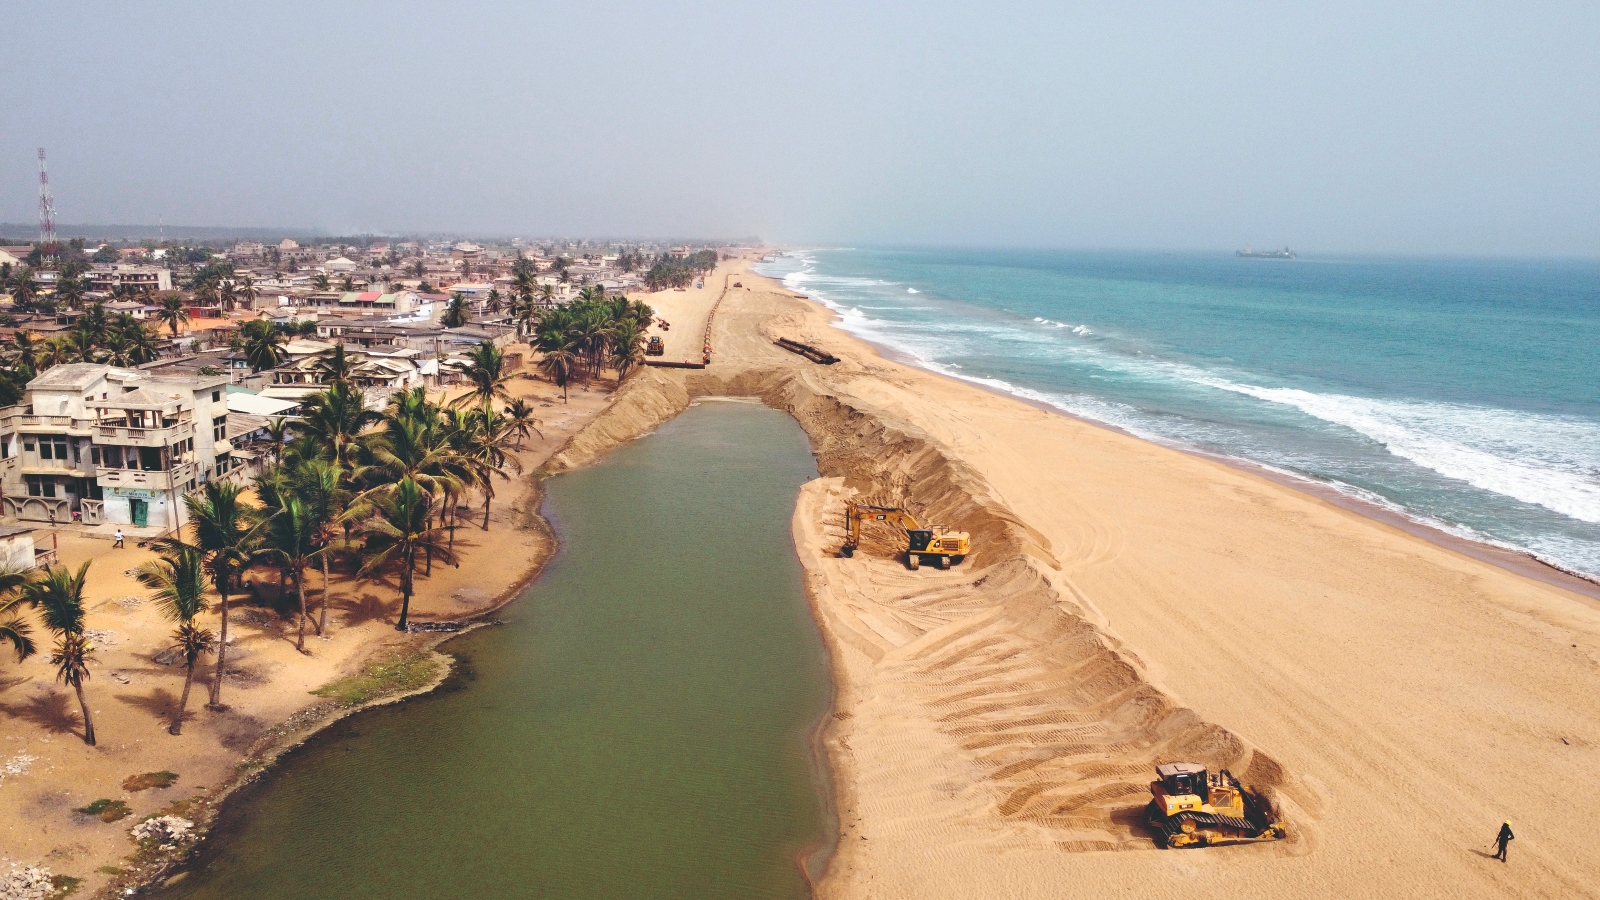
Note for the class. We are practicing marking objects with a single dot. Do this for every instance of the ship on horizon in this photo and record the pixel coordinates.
(1247, 253)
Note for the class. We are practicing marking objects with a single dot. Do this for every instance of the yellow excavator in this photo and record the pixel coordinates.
(1192, 809)
(937, 544)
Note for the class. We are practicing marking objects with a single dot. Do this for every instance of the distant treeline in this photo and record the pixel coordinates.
(671, 272)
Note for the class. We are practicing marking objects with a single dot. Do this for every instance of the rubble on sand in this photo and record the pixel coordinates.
(26, 883)
(165, 832)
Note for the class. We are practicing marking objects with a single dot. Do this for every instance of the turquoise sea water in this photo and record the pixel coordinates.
(1463, 393)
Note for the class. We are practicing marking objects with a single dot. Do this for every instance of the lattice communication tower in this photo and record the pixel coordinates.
(47, 207)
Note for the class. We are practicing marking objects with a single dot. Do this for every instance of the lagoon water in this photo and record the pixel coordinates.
(638, 728)
(1465, 394)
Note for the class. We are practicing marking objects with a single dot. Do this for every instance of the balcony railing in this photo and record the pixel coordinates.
(104, 428)
(142, 480)
(143, 437)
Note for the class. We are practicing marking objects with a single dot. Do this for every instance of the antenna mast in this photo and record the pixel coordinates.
(47, 208)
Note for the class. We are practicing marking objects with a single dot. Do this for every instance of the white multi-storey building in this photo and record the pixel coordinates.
(112, 445)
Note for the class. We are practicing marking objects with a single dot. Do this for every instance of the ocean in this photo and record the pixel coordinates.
(1464, 394)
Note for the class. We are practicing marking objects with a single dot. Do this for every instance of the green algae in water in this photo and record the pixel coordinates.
(639, 728)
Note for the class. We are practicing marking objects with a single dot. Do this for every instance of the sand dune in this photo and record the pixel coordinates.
(1126, 604)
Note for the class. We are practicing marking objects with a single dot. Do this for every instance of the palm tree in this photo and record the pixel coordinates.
(488, 435)
(320, 281)
(263, 344)
(93, 322)
(225, 294)
(56, 351)
(173, 311)
(335, 367)
(332, 423)
(140, 343)
(519, 416)
(416, 449)
(494, 301)
(246, 291)
(526, 312)
(320, 485)
(179, 582)
(486, 372)
(14, 629)
(402, 526)
(227, 531)
(291, 538)
(559, 364)
(206, 290)
(455, 315)
(23, 290)
(70, 290)
(25, 351)
(84, 343)
(59, 593)
(627, 348)
(117, 352)
(527, 279)
(277, 436)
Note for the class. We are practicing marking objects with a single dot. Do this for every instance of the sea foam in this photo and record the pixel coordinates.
(1548, 461)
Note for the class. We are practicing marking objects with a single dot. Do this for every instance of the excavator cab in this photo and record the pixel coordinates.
(920, 538)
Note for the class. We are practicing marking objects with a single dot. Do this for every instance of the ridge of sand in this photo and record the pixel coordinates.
(995, 725)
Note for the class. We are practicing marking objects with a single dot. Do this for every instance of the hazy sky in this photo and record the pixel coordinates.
(1388, 127)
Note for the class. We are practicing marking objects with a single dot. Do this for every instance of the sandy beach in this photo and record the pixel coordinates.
(995, 725)
(48, 771)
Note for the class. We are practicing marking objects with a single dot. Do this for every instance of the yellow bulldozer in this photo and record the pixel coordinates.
(1190, 808)
(937, 544)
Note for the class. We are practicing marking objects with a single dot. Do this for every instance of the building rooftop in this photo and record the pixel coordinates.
(74, 376)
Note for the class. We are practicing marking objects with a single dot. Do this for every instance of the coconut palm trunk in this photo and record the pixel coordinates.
(88, 720)
(183, 702)
(406, 586)
(322, 626)
(300, 588)
(215, 702)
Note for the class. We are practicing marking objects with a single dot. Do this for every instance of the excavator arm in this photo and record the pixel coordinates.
(856, 513)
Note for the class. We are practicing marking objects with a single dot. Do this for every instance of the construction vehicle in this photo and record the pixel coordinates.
(1192, 809)
(655, 347)
(937, 544)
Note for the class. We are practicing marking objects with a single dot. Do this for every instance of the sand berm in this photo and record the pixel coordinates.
(995, 726)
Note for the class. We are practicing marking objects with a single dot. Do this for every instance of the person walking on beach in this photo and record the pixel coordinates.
(118, 544)
(1502, 839)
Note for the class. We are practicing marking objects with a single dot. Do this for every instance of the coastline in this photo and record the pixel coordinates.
(1112, 565)
(1515, 560)
(931, 813)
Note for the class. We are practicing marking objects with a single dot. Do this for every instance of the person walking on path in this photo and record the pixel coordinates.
(1502, 839)
(118, 544)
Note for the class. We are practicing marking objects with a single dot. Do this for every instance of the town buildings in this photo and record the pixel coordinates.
(107, 277)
